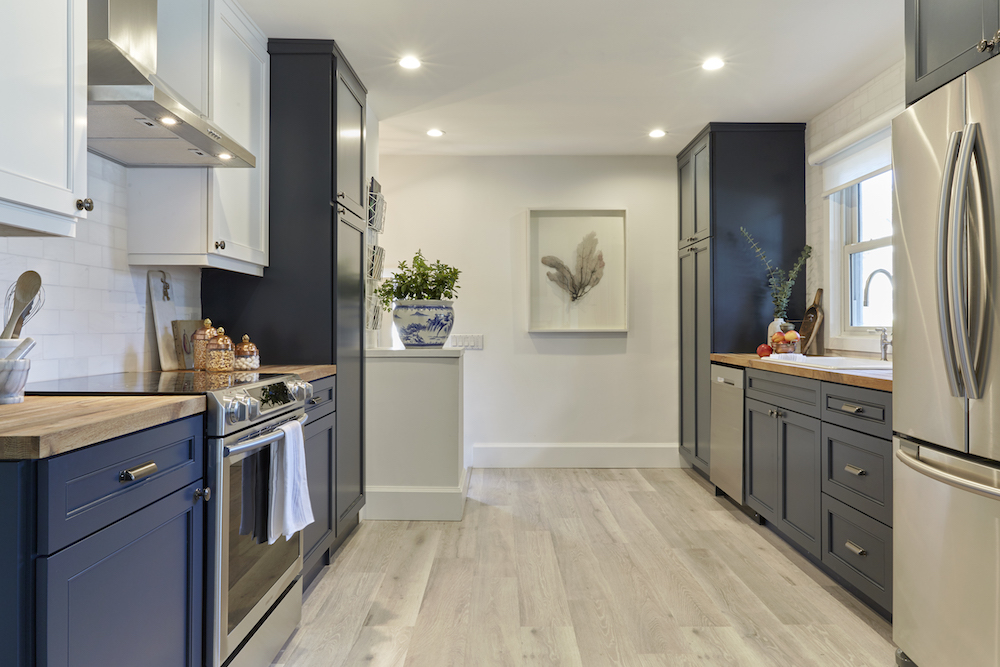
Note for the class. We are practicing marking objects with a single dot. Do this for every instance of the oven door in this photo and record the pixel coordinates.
(250, 577)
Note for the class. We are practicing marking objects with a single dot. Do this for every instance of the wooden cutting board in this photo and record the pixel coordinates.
(161, 296)
(811, 323)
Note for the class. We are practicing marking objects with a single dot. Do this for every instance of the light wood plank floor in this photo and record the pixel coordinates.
(581, 568)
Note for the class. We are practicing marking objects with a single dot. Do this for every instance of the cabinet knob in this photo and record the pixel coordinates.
(341, 195)
(85, 204)
(220, 245)
(985, 45)
(205, 494)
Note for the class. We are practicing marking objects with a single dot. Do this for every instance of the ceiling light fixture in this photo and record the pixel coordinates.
(409, 62)
(656, 134)
(435, 133)
(713, 63)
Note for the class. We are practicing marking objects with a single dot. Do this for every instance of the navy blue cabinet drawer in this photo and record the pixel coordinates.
(323, 401)
(83, 491)
(857, 470)
(859, 549)
(797, 394)
(865, 410)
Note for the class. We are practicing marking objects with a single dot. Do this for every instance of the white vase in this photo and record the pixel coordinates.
(774, 327)
(423, 323)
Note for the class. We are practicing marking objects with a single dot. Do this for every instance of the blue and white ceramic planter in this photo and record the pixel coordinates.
(423, 323)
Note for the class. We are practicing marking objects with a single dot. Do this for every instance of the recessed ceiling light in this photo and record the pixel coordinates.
(167, 120)
(225, 156)
(409, 62)
(435, 133)
(656, 134)
(713, 63)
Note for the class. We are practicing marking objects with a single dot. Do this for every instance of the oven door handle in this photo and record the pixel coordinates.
(261, 441)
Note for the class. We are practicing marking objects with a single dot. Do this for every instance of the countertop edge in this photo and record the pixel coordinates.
(878, 380)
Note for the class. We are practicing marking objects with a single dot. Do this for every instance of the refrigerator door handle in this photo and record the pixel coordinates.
(944, 306)
(945, 477)
(983, 319)
(956, 262)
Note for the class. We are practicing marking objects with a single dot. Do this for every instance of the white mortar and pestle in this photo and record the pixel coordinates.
(14, 370)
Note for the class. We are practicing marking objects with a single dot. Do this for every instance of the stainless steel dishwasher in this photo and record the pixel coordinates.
(726, 460)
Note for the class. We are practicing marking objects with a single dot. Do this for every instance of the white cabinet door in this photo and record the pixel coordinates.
(213, 217)
(240, 106)
(43, 118)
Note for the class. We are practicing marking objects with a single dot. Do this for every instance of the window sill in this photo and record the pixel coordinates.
(854, 343)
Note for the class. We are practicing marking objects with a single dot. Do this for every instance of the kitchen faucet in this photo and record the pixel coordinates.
(868, 283)
(883, 339)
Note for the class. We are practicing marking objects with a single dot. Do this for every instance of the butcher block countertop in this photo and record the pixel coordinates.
(307, 373)
(44, 426)
(881, 380)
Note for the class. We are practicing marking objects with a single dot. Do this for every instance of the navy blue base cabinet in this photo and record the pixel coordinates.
(99, 572)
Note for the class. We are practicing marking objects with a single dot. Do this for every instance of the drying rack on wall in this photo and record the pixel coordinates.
(375, 255)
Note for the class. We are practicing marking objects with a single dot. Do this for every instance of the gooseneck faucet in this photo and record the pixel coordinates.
(868, 283)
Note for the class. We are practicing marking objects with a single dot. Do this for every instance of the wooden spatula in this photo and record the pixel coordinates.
(810, 323)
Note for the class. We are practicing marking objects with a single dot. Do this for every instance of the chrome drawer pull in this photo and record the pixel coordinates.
(316, 401)
(854, 409)
(855, 470)
(855, 548)
(132, 474)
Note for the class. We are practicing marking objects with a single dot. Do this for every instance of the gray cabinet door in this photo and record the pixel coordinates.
(350, 147)
(350, 464)
(685, 177)
(799, 477)
(761, 436)
(703, 349)
(321, 461)
(703, 190)
(131, 593)
(695, 353)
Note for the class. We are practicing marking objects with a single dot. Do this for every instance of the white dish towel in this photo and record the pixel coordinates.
(290, 510)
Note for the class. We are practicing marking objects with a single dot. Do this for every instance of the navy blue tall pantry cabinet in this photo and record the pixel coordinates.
(308, 308)
(732, 175)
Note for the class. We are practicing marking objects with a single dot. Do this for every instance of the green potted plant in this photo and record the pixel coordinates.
(419, 297)
(779, 281)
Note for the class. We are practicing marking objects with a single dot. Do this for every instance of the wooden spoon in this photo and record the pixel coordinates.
(25, 292)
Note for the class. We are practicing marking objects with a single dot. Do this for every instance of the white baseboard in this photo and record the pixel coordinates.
(577, 455)
(415, 503)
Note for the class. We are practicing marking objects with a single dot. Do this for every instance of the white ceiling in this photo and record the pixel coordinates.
(592, 77)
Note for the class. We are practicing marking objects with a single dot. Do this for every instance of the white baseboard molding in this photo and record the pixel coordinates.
(415, 503)
(577, 455)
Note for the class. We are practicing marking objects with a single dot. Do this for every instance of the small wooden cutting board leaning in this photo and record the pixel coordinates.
(811, 323)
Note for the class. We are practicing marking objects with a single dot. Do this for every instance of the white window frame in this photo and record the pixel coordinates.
(844, 211)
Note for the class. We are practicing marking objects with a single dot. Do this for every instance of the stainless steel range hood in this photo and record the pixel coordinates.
(129, 113)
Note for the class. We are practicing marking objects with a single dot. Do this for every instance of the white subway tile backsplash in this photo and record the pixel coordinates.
(95, 319)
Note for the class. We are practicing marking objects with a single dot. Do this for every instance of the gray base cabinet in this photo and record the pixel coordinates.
(320, 433)
(819, 469)
(100, 572)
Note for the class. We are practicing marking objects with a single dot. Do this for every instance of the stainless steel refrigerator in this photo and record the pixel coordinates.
(946, 384)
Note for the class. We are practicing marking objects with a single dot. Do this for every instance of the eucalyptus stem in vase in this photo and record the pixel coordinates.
(781, 283)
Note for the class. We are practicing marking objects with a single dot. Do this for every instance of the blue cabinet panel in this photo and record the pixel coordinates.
(131, 593)
(321, 452)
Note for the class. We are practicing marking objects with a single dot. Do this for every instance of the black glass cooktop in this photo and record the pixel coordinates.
(151, 383)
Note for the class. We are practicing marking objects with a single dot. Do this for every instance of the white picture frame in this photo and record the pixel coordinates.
(569, 304)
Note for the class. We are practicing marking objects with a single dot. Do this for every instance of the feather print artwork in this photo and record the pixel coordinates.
(589, 269)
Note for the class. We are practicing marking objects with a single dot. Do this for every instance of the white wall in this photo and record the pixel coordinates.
(96, 318)
(880, 95)
(609, 390)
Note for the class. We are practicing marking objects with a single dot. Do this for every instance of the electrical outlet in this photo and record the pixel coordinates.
(467, 341)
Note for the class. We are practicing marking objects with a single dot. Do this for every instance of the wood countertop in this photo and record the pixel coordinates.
(44, 426)
(307, 373)
(881, 380)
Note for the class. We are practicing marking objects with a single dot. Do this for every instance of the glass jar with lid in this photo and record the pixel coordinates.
(247, 355)
(199, 341)
(221, 353)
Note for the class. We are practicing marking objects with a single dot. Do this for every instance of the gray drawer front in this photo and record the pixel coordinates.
(785, 391)
(871, 573)
(324, 397)
(865, 410)
(79, 493)
(857, 470)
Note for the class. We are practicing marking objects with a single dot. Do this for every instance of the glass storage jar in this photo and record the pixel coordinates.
(199, 341)
(247, 355)
(221, 353)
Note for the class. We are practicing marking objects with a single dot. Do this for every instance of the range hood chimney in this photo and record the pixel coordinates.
(131, 118)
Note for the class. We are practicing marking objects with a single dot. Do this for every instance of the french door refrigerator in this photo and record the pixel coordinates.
(946, 384)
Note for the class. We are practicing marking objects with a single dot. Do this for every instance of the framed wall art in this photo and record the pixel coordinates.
(577, 271)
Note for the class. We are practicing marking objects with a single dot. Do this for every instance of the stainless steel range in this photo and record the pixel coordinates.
(253, 591)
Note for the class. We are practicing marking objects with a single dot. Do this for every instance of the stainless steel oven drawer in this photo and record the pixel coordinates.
(83, 491)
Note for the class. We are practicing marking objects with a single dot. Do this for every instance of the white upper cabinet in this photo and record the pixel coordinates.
(43, 140)
(210, 217)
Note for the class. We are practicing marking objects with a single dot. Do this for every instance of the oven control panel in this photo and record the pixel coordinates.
(236, 408)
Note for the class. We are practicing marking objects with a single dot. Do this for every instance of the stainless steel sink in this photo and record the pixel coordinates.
(835, 363)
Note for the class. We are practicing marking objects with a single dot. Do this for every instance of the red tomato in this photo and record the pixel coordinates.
(764, 350)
